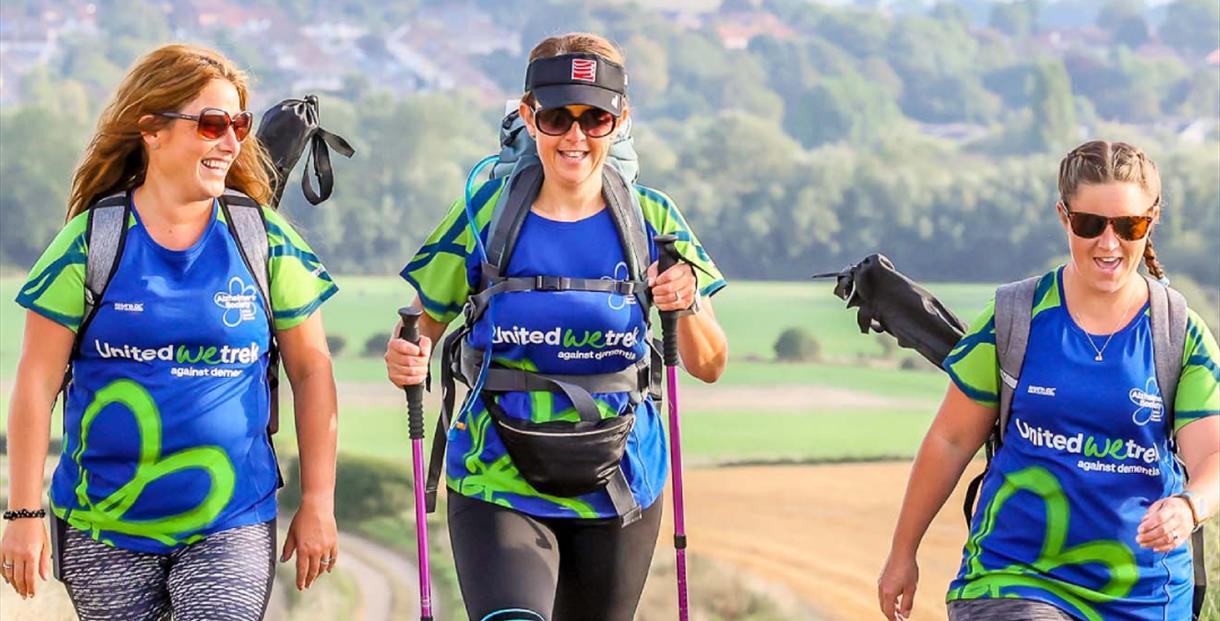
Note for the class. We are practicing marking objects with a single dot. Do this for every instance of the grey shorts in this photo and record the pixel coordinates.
(1006, 610)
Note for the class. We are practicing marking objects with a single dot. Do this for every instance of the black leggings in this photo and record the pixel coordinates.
(225, 577)
(515, 567)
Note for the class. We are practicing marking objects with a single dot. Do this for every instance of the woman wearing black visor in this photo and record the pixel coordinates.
(525, 548)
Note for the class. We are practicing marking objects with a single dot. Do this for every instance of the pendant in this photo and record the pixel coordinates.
(1098, 358)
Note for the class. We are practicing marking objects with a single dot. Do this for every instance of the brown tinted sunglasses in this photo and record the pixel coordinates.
(212, 123)
(1090, 225)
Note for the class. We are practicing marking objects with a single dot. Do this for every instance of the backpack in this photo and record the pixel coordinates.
(1013, 314)
(106, 236)
(521, 169)
(285, 130)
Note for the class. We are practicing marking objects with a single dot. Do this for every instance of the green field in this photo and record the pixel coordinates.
(753, 315)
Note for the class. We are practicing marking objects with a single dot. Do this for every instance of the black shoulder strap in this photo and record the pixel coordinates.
(509, 214)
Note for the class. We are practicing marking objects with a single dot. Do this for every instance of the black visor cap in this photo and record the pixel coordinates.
(577, 79)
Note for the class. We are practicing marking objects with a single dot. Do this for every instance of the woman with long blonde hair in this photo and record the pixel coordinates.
(163, 500)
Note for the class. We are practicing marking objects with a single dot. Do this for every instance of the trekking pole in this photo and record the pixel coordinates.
(415, 426)
(669, 335)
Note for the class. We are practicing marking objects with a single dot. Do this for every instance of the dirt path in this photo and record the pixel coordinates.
(386, 588)
(820, 532)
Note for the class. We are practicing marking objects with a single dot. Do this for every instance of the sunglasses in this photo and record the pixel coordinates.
(212, 123)
(1091, 225)
(594, 122)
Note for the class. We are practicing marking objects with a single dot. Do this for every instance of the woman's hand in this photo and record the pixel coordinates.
(406, 363)
(25, 549)
(675, 289)
(1166, 525)
(896, 586)
(315, 540)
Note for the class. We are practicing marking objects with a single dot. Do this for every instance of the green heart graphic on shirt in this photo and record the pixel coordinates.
(108, 513)
(1116, 557)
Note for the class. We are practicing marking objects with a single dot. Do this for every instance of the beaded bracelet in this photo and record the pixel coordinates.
(25, 513)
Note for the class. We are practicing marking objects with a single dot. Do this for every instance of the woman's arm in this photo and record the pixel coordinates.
(702, 345)
(45, 350)
(307, 362)
(1168, 521)
(1199, 448)
(959, 430)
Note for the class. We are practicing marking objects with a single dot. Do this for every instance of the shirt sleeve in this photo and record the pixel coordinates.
(55, 287)
(1198, 393)
(442, 270)
(663, 218)
(299, 281)
(972, 364)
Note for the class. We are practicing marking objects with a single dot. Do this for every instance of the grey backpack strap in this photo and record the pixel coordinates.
(628, 216)
(245, 218)
(105, 235)
(1013, 312)
(249, 228)
(1014, 303)
(1168, 310)
(1168, 320)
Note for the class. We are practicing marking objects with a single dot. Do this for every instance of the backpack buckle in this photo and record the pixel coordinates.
(550, 283)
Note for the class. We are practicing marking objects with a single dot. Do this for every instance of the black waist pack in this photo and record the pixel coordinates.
(286, 130)
(563, 458)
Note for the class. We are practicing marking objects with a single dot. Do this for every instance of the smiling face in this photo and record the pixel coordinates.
(179, 156)
(574, 158)
(1106, 263)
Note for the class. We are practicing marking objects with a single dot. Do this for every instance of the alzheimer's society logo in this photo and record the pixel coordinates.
(615, 301)
(1150, 408)
(237, 302)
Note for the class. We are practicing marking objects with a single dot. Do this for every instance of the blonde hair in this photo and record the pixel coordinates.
(1101, 161)
(574, 43)
(162, 81)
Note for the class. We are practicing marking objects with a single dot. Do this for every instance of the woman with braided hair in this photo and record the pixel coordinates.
(1083, 511)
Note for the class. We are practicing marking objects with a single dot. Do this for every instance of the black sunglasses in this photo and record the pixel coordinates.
(1091, 225)
(212, 123)
(594, 122)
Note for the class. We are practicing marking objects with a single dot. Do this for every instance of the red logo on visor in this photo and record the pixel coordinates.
(584, 69)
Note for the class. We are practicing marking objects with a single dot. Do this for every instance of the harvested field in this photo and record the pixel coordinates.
(820, 533)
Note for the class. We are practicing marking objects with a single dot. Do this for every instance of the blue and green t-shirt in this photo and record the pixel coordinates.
(1085, 453)
(165, 425)
(568, 332)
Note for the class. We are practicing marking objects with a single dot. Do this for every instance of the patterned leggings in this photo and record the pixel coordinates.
(225, 577)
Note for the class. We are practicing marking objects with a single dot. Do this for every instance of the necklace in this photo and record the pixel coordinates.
(1089, 338)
